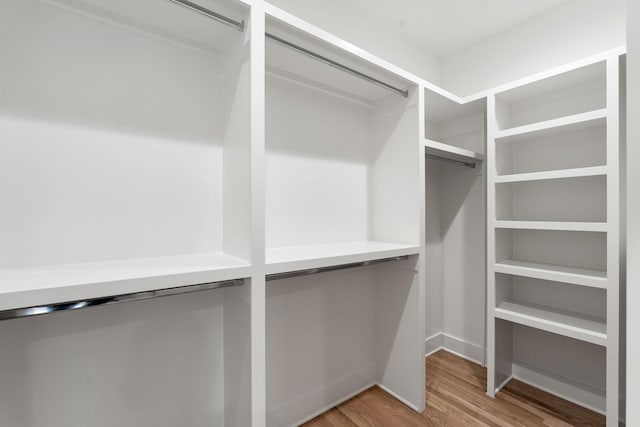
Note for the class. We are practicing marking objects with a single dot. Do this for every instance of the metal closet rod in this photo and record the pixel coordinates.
(339, 66)
(455, 162)
(238, 25)
(116, 299)
(290, 274)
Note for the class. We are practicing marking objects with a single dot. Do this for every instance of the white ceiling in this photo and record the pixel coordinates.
(443, 27)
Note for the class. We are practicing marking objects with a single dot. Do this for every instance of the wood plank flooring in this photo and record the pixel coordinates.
(456, 397)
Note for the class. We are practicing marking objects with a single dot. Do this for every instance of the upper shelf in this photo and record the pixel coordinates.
(37, 286)
(451, 152)
(296, 258)
(573, 123)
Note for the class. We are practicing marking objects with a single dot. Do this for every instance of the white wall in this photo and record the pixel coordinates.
(633, 211)
(347, 23)
(571, 31)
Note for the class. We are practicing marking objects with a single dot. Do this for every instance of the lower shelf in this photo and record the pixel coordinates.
(36, 286)
(556, 273)
(295, 258)
(573, 325)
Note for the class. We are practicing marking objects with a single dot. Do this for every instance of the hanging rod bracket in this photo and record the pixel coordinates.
(115, 299)
(335, 64)
(298, 273)
(238, 25)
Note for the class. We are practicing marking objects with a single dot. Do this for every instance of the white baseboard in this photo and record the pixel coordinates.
(303, 408)
(564, 388)
(398, 397)
(457, 346)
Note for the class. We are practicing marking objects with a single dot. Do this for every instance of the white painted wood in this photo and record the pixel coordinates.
(633, 211)
(577, 119)
(556, 156)
(497, 338)
(439, 149)
(294, 258)
(577, 276)
(550, 175)
(28, 287)
(569, 324)
(257, 343)
(564, 388)
(553, 225)
(613, 242)
(455, 205)
(342, 185)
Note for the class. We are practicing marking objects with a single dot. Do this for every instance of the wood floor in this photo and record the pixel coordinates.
(456, 397)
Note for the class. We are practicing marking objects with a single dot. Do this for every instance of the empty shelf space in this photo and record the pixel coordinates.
(35, 286)
(563, 124)
(581, 327)
(553, 174)
(296, 258)
(553, 225)
(439, 149)
(556, 273)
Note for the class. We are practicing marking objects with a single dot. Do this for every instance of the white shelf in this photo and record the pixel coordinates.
(295, 258)
(29, 287)
(553, 225)
(554, 174)
(572, 123)
(451, 152)
(580, 327)
(556, 273)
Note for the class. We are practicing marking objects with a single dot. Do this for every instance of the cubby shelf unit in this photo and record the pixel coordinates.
(553, 231)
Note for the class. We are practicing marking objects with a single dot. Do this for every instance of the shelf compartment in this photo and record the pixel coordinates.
(37, 286)
(581, 144)
(289, 259)
(455, 125)
(552, 175)
(581, 199)
(565, 323)
(556, 273)
(553, 225)
(574, 92)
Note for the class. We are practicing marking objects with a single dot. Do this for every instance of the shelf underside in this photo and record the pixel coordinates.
(573, 325)
(555, 273)
(35, 286)
(297, 258)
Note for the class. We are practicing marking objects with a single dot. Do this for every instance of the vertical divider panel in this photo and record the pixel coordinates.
(613, 239)
(491, 255)
(236, 89)
(396, 168)
(256, 32)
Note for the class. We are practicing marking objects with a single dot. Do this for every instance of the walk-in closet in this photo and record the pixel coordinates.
(273, 213)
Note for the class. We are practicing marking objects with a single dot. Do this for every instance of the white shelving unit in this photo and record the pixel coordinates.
(338, 148)
(455, 191)
(126, 169)
(553, 212)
